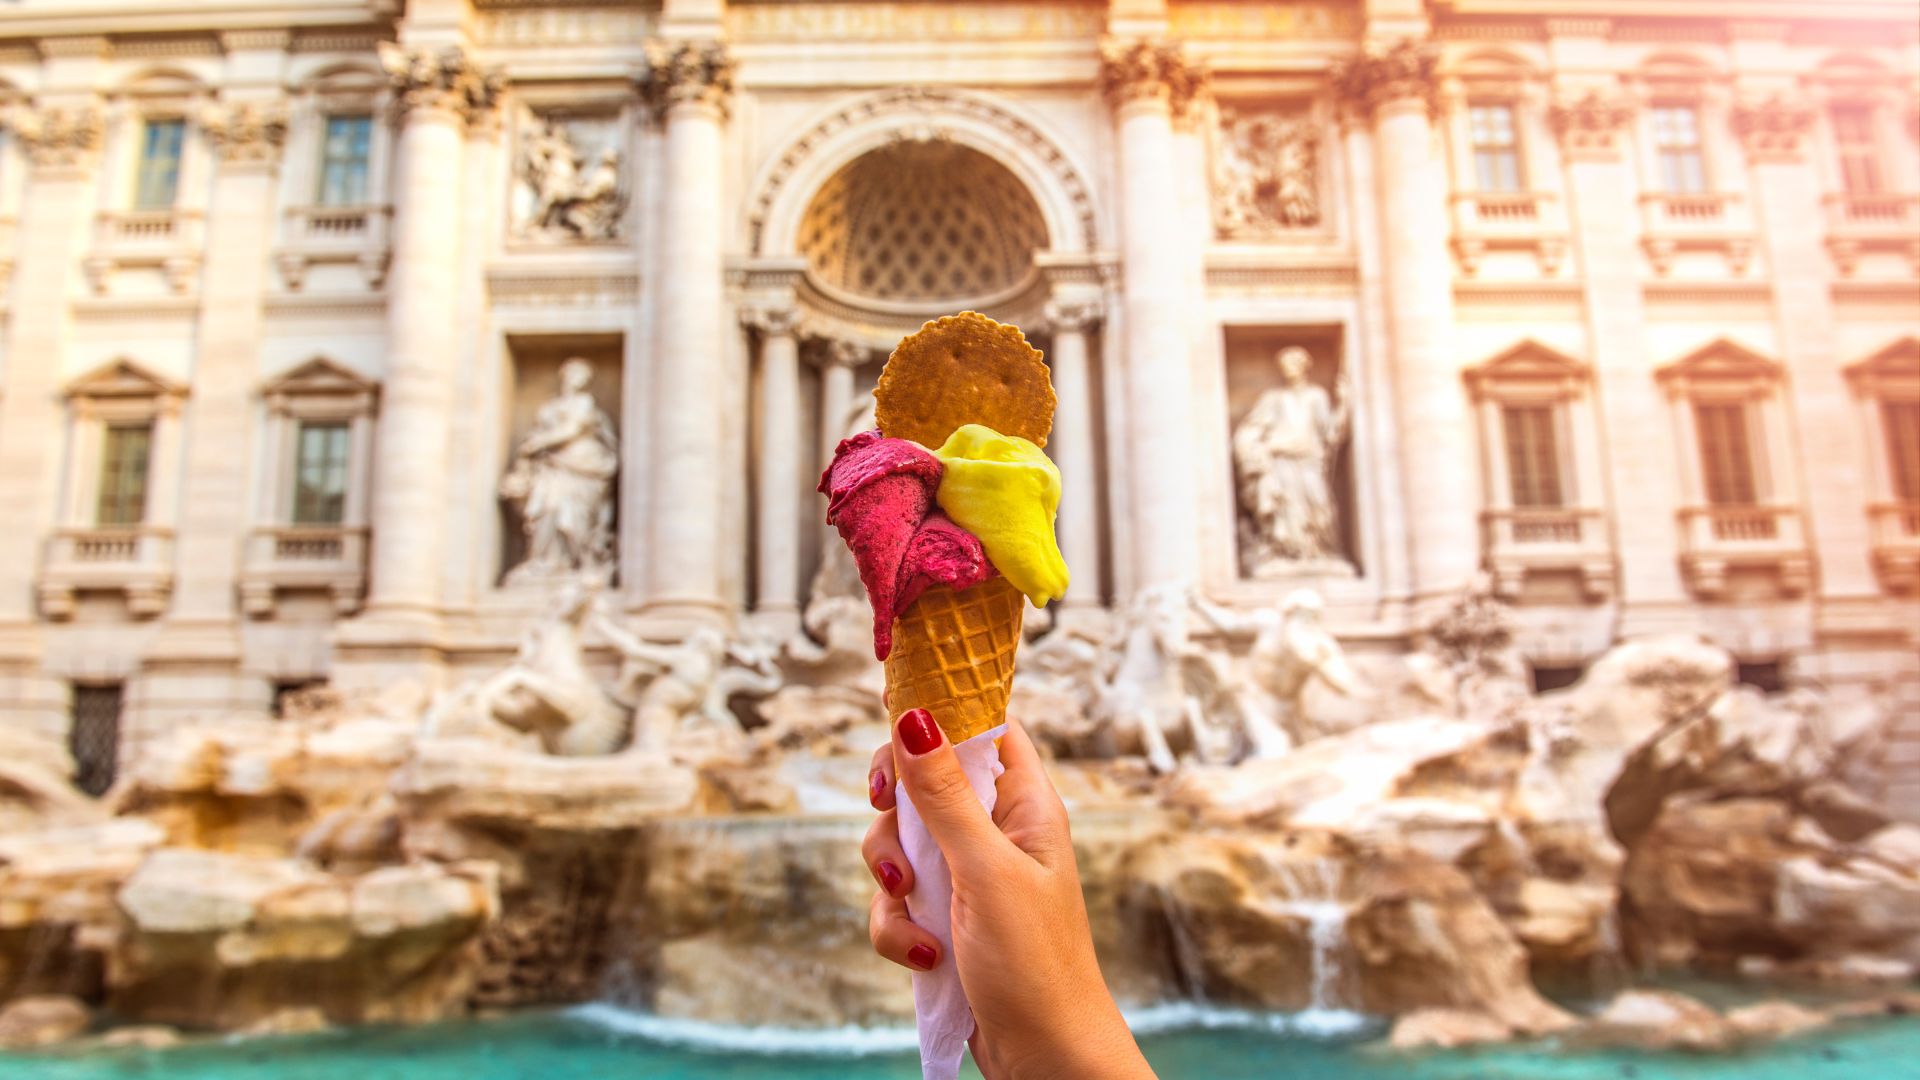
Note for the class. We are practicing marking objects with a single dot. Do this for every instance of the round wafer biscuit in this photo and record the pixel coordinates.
(964, 369)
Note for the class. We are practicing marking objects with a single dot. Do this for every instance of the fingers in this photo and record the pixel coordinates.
(1028, 808)
(896, 938)
(885, 858)
(880, 778)
(943, 795)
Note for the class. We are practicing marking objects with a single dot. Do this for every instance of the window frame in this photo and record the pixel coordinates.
(1661, 151)
(114, 476)
(1868, 150)
(335, 465)
(325, 160)
(1514, 149)
(143, 163)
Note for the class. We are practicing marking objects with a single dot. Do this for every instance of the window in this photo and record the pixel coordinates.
(1902, 421)
(1496, 147)
(93, 735)
(320, 473)
(123, 474)
(1859, 152)
(1726, 455)
(1533, 456)
(158, 182)
(343, 160)
(1676, 147)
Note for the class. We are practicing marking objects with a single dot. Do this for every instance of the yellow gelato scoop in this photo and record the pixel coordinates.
(1003, 490)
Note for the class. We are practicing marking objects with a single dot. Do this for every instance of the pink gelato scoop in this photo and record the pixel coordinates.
(880, 496)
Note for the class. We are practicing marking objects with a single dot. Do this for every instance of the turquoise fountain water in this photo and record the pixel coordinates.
(1183, 1042)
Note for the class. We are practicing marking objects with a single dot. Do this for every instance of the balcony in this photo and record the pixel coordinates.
(1896, 545)
(1859, 224)
(341, 235)
(133, 560)
(282, 559)
(170, 241)
(1672, 223)
(1716, 540)
(1521, 542)
(1486, 221)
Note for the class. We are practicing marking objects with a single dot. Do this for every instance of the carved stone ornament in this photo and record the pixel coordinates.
(768, 321)
(1139, 69)
(1402, 71)
(1265, 174)
(688, 72)
(1589, 126)
(573, 197)
(1072, 316)
(247, 133)
(1773, 129)
(58, 138)
(438, 79)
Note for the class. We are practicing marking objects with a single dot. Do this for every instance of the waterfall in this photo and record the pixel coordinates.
(1312, 890)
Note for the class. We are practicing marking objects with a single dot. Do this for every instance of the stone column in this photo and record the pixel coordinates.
(1072, 450)
(61, 144)
(1394, 86)
(780, 469)
(183, 668)
(690, 82)
(434, 94)
(1147, 82)
(1775, 133)
(1641, 458)
(837, 362)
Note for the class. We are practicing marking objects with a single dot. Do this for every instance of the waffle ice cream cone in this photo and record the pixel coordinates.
(953, 656)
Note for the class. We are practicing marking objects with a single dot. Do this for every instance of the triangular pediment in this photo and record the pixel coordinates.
(123, 378)
(1896, 366)
(1724, 359)
(319, 376)
(1528, 363)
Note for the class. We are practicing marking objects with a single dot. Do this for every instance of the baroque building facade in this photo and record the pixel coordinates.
(334, 332)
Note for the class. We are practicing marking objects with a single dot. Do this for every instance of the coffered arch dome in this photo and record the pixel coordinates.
(925, 221)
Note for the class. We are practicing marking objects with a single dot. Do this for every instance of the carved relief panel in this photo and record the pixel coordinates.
(1266, 173)
(570, 177)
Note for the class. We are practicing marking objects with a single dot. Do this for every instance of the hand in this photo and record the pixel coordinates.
(1020, 935)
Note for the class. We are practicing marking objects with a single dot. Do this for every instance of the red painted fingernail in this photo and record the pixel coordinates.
(890, 878)
(919, 732)
(922, 957)
(876, 787)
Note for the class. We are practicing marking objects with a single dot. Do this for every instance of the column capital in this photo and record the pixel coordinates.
(1402, 71)
(1773, 129)
(1588, 126)
(58, 138)
(1151, 70)
(691, 72)
(771, 320)
(247, 133)
(841, 353)
(1074, 315)
(438, 79)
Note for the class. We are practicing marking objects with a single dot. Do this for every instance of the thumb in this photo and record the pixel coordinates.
(930, 772)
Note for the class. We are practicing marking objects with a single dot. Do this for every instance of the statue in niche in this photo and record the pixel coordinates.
(562, 477)
(1282, 453)
(1265, 175)
(571, 199)
(1290, 648)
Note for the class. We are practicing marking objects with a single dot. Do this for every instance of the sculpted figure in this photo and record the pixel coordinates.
(569, 197)
(676, 687)
(1155, 684)
(1264, 175)
(547, 690)
(562, 475)
(837, 621)
(1282, 451)
(1290, 647)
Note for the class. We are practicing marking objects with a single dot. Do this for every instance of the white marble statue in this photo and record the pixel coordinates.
(1282, 452)
(1156, 686)
(685, 686)
(1264, 175)
(547, 691)
(562, 476)
(571, 199)
(1290, 648)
